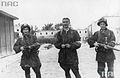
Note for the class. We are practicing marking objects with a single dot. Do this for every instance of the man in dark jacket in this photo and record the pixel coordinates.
(29, 46)
(104, 54)
(68, 40)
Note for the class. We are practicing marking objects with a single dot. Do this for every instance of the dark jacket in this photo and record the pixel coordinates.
(68, 55)
(105, 37)
(30, 55)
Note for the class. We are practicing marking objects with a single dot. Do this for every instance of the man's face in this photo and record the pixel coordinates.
(66, 23)
(25, 30)
(103, 25)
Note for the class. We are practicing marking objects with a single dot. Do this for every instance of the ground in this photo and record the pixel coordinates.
(9, 66)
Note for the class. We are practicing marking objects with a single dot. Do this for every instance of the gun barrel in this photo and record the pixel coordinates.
(113, 48)
(110, 47)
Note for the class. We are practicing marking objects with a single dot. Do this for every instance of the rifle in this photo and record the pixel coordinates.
(109, 47)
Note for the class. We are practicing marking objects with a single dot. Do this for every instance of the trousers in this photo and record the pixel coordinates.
(101, 69)
(73, 67)
(35, 69)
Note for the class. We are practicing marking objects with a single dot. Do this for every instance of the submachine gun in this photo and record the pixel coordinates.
(109, 47)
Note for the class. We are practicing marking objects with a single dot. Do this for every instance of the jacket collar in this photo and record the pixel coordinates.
(103, 29)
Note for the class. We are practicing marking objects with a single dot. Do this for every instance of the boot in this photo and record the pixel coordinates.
(110, 74)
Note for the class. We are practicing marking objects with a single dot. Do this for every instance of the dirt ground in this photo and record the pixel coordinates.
(50, 67)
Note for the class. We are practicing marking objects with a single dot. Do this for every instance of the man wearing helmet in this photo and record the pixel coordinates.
(29, 46)
(104, 54)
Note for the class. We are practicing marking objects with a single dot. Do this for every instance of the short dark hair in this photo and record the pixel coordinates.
(66, 19)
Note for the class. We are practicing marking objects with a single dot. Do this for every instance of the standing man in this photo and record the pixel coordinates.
(104, 54)
(29, 46)
(68, 40)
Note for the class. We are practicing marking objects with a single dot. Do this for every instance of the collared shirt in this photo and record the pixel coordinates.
(66, 30)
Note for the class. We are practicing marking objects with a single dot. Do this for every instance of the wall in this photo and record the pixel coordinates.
(6, 35)
(48, 34)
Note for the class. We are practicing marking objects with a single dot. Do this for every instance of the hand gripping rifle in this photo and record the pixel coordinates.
(28, 49)
(108, 47)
